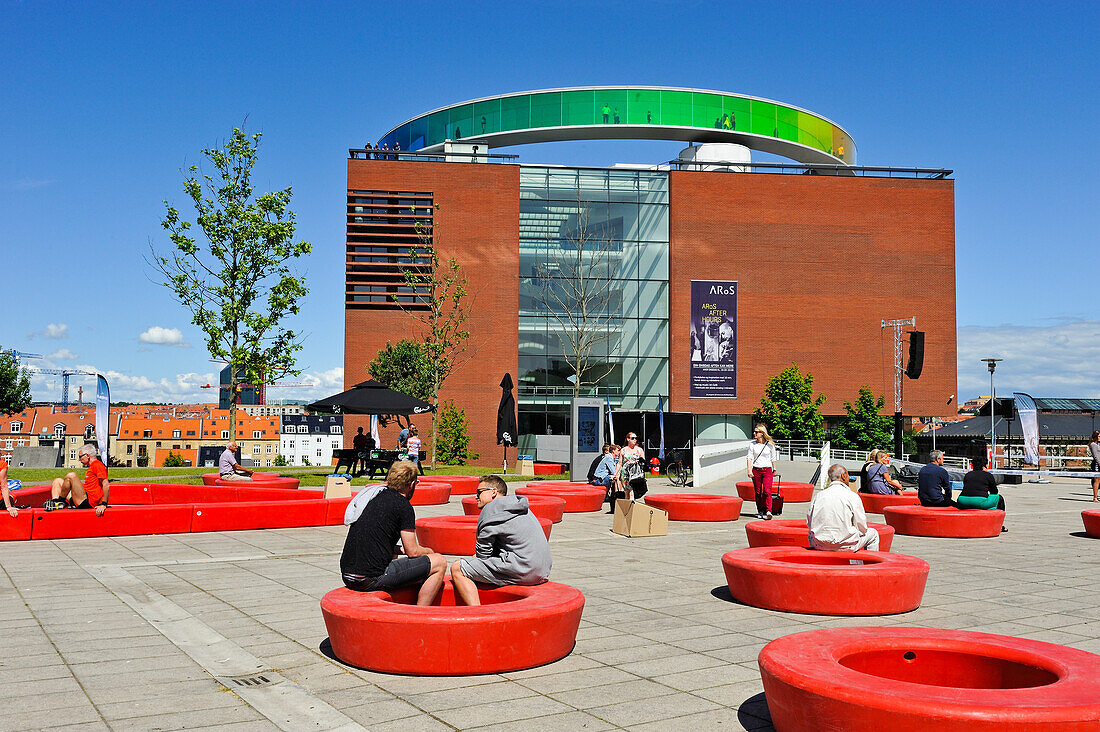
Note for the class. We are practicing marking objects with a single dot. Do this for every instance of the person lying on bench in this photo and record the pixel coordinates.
(369, 561)
(92, 493)
(511, 546)
(836, 520)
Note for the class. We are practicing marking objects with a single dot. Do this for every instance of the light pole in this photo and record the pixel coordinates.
(992, 364)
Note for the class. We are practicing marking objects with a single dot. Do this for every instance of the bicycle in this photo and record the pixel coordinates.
(678, 472)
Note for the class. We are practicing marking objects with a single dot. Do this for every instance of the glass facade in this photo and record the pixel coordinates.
(629, 106)
(593, 290)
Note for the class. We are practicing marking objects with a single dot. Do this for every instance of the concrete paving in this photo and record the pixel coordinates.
(224, 629)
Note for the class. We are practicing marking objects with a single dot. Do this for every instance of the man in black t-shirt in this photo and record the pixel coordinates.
(370, 560)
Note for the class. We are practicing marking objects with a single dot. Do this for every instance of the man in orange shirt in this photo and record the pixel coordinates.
(92, 493)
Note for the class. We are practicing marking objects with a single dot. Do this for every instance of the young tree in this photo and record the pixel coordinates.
(789, 407)
(863, 426)
(454, 436)
(439, 304)
(15, 385)
(575, 286)
(238, 283)
(406, 367)
(173, 460)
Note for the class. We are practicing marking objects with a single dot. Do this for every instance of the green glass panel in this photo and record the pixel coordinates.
(437, 127)
(738, 111)
(762, 119)
(676, 108)
(814, 132)
(707, 110)
(461, 122)
(546, 110)
(418, 133)
(515, 113)
(486, 117)
(787, 123)
(615, 100)
(578, 107)
(643, 107)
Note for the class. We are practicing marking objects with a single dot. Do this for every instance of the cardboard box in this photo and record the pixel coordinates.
(526, 467)
(337, 486)
(638, 519)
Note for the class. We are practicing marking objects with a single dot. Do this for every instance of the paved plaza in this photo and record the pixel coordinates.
(225, 630)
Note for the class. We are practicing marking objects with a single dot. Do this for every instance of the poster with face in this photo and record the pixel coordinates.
(713, 341)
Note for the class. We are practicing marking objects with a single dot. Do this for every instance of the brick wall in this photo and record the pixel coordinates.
(820, 261)
(478, 223)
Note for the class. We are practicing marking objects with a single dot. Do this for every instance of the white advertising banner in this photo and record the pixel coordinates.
(102, 416)
(1029, 421)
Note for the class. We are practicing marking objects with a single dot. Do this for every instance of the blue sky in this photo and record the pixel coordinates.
(102, 104)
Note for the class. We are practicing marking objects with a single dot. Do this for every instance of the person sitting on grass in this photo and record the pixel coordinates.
(837, 521)
(369, 560)
(980, 489)
(511, 546)
(228, 469)
(91, 493)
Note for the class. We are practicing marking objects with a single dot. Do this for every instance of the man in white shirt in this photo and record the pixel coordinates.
(837, 521)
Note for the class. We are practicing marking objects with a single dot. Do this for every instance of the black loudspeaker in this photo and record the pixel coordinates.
(916, 354)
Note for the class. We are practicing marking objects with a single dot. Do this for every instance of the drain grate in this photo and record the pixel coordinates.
(249, 680)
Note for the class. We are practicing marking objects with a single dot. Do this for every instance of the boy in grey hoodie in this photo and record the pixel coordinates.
(511, 546)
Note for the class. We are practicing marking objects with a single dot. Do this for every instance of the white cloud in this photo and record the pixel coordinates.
(1057, 360)
(62, 354)
(53, 330)
(162, 336)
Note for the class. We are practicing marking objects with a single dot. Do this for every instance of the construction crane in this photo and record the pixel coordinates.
(19, 354)
(64, 374)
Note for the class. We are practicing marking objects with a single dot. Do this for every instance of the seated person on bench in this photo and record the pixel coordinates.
(92, 493)
(228, 469)
(595, 464)
(511, 546)
(837, 521)
(980, 488)
(9, 502)
(934, 482)
(369, 561)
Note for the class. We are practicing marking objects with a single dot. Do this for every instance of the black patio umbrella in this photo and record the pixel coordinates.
(506, 417)
(371, 397)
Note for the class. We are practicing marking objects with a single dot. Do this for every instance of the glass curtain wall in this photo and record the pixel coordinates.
(593, 291)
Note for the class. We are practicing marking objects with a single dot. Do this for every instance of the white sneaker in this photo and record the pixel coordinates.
(768, 516)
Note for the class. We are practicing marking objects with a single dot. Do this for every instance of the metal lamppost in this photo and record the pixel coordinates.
(992, 364)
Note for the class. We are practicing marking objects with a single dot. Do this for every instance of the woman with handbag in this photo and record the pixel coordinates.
(1094, 451)
(879, 479)
(763, 454)
(632, 468)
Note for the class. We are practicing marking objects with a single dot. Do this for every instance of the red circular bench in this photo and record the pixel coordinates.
(461, 485)
(456, 535)
(430, 494)
(1092, 522)
(580, 499)
(266, 480)
(797, 580)
(791, 492)
(696, 506)
(928, 679)
(514, 628)
(875, 502)
(793, 532)
(547, 507)
(944, 521)
(559, 484)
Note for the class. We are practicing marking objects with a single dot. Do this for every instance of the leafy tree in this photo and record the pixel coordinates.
(173, 460)
(15, 385)
(863, 426)
(439, 304)
(238, 284)
(454, 436)
(279, 461)
(789, 407)
(404, 366)
(143, 461)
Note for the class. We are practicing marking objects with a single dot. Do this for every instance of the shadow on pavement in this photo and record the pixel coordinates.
(753, 713)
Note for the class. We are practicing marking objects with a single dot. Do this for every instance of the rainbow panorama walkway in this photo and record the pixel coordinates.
(224, 629)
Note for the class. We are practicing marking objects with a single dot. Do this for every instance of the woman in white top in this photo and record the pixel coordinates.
(632, 468)
(412, 444)
(762, 457)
